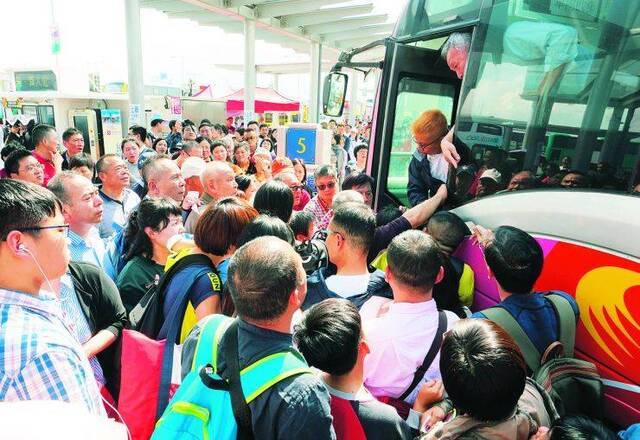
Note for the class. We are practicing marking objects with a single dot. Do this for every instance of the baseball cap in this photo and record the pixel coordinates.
(492, 174)
(192, 166)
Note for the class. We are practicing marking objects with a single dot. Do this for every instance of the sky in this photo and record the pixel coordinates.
(92, 39)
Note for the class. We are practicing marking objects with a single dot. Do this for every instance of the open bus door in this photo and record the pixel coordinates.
(415, 79)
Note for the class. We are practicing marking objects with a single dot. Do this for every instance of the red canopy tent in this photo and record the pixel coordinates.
(266, 100)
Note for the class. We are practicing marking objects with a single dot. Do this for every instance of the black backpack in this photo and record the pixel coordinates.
(147, 316)
(313, 253)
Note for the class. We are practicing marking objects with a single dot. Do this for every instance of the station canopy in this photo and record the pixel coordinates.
(337, 24)
(266, 100)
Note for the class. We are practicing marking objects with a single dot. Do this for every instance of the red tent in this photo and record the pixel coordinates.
(266, 100)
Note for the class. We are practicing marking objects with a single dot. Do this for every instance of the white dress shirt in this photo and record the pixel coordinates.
(399, 336)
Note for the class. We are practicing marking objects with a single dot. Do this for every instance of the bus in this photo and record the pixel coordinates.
(548, 78)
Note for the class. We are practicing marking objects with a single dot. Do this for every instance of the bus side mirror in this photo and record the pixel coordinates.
(334, 93)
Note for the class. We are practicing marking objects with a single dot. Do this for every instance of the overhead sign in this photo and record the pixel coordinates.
(135, 114)
(301, 144)
(35, 81)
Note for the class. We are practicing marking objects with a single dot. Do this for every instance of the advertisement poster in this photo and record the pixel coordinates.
(176, 106)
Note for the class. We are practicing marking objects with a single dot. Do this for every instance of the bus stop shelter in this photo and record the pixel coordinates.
(312, 26)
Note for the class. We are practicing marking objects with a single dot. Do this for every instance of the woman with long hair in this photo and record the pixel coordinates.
(150, 227)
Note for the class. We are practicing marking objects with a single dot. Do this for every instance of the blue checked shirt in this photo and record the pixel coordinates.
(92, 250)
(39, 357)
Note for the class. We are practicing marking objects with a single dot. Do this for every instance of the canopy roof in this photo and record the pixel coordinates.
(337, 24)
(266, 100)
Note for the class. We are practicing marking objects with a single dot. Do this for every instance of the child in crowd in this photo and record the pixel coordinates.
(330, 338)
(448, 230)
(302, 225)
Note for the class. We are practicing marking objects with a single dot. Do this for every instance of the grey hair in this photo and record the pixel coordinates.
(325, 171)
(346, 196)
(458, 40)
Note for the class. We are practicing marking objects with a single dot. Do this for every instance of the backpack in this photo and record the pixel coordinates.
(314, 255)
(147, 316)
(573, 384)
(209, 406)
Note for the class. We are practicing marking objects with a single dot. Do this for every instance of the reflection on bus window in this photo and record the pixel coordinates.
(555, 95)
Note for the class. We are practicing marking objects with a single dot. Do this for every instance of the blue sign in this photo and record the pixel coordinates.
(301, 144)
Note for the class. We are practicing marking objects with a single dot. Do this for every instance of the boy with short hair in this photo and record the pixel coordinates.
(301, 223)
(449, 231)
(330, 338)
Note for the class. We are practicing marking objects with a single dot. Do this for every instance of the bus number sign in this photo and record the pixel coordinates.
(301, 144)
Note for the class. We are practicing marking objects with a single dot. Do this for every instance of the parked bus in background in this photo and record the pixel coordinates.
(547, 81)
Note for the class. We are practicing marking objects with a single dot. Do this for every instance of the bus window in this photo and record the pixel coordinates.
(414, 97)
(565, 77)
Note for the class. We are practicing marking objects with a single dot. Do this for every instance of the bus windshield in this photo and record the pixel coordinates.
(550, 94)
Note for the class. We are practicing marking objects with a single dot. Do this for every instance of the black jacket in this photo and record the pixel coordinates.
(101, 304)
(421, 184)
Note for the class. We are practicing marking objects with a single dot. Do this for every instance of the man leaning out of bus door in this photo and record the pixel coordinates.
(436, 149)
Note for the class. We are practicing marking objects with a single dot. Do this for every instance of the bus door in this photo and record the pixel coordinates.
(415, 79)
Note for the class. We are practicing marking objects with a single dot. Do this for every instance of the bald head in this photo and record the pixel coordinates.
(218, 180)
(163, 178)
(263, 274)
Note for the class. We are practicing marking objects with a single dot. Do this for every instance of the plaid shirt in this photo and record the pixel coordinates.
(322, 215)
(39, 358)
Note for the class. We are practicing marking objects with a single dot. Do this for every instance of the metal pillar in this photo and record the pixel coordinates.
(315, 98)
(353, 96)
(276, 81)
(134, 57)
(249, 70)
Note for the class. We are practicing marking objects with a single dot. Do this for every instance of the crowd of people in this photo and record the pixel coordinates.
(211, 217)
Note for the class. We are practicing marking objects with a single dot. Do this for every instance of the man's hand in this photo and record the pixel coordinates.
(541, 434)
(482, 236)
(449, 151)
(442, 193)
(431, 392)
(191, 200)
(57, 160)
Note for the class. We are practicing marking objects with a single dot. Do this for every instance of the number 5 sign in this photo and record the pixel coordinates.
(301, 144)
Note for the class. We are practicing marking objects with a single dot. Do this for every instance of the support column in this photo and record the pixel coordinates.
(315, 98)
(134, 57)
(353, 96)
(276, 81)
(249, 70)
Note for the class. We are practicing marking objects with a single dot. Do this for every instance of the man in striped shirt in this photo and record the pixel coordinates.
(40, 359)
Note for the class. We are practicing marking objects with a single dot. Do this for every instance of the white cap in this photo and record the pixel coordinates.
(192, 166)
(492, 174)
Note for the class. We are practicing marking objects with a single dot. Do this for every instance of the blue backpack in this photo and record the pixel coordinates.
(206, 405)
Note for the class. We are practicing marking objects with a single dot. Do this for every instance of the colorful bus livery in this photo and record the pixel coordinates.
(580, 261)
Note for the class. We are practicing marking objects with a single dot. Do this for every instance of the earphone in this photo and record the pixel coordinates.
(22, 248)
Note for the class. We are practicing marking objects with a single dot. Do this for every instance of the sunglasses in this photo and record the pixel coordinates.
(329, 185)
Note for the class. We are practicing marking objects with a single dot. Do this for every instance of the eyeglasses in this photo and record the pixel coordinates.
(295, 187)
(33, 167)
(426, 144)
(329, 185)
(40, 228)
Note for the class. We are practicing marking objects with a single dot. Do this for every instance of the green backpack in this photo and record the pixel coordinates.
(573, 384)
(208, 406)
